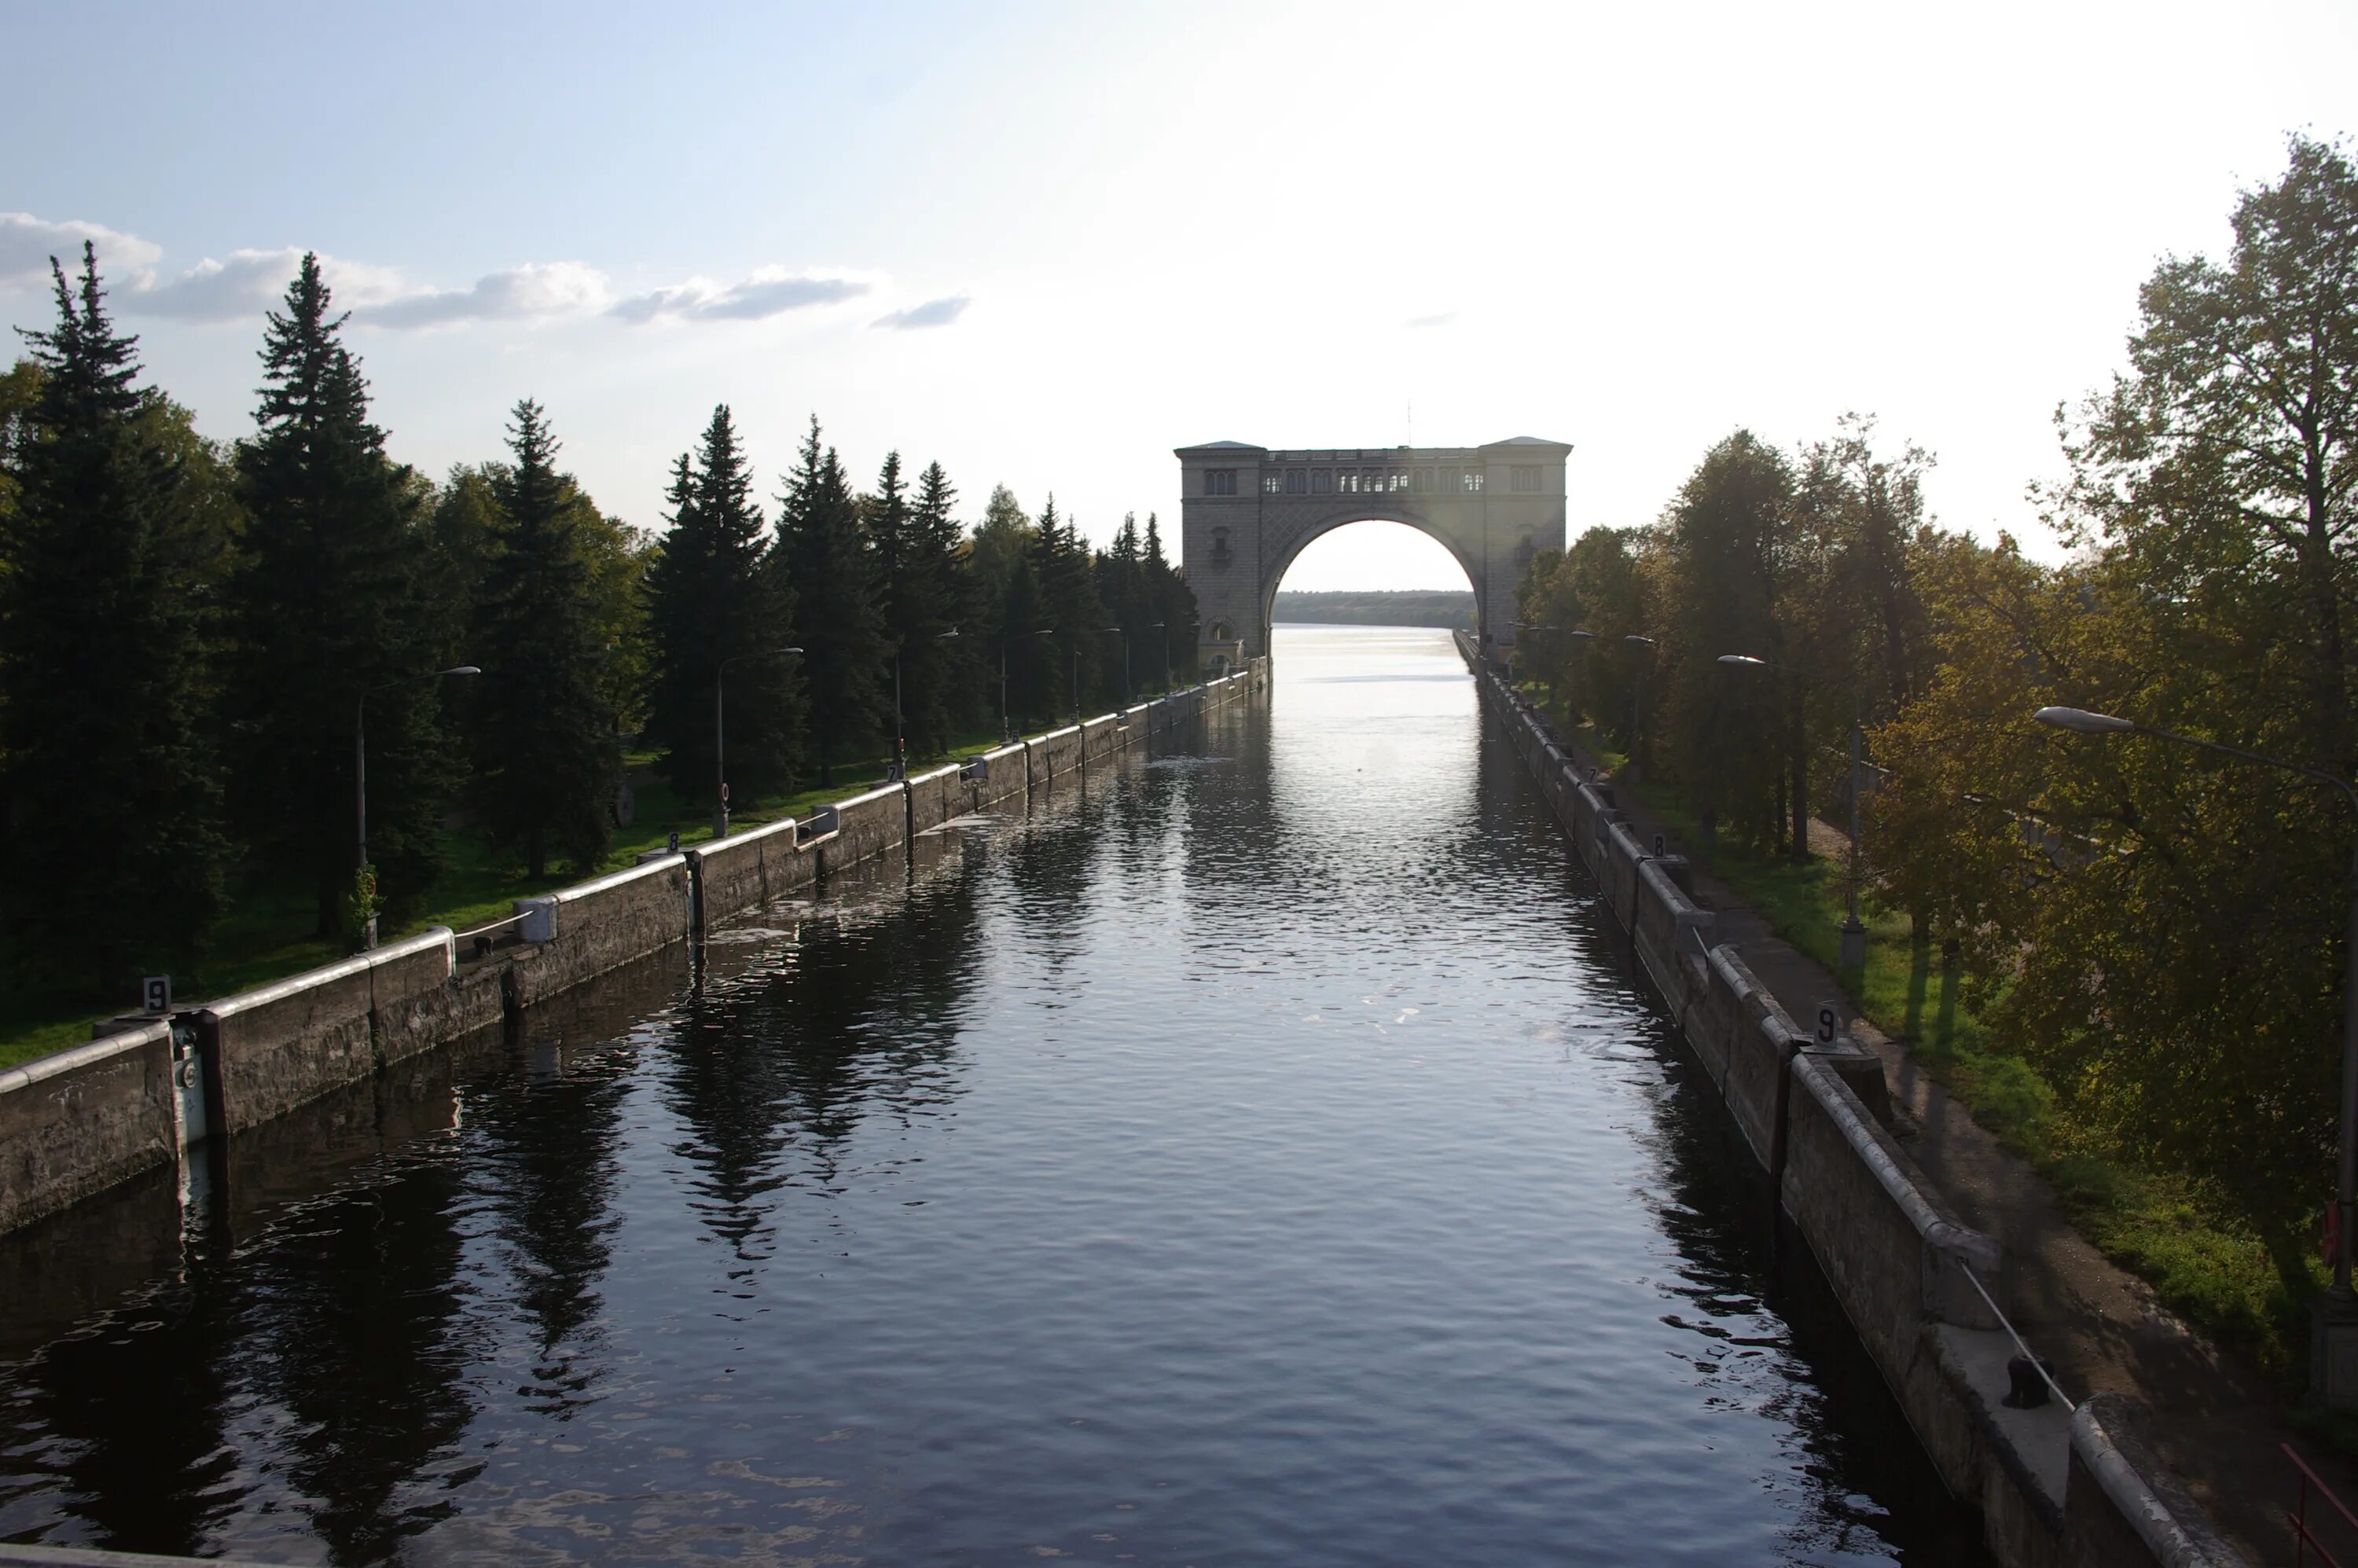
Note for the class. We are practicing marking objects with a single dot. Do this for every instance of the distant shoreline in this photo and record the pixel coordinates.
(1432, 609)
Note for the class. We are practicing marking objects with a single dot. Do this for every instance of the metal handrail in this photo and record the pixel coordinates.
(2006, 1323)
(2303, 1539)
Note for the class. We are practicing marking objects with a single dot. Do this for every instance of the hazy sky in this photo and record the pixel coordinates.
(1048, 242)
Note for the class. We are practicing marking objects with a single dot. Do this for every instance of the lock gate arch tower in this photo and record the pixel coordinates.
(1246, 511)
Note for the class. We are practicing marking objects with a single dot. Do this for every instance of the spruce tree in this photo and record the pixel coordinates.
(335, 604)
(546, 759)
(916, 596)
(1069, 602)
(834, 576)
(1121, 585)
(938, 568)
(714, 594)
(113, 837)
(1174, 604)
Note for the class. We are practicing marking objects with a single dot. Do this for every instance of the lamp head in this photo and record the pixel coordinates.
(1743, 661)
(1583, 636)
(2081, 721)
(460, 670)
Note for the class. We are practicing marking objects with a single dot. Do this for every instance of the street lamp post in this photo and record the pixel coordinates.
(1638, 708)
(720, 733)
(1853, 934)
(900, 742)
(1118, 632)
(360, 773)
(1006, 732)
(2337, 1320)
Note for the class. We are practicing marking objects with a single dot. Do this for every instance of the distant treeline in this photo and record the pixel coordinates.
(201, 639)
(1400, 607)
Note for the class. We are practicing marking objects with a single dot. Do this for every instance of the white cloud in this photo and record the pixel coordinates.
(247, 282)
(931, 313)
(28, 242)
(251, 282)
(533, 291)
(772, 291)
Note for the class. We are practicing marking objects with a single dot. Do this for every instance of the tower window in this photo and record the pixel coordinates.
(1219, 482)
(1526, 477)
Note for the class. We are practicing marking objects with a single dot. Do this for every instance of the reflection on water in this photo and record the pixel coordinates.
(1261, 1155)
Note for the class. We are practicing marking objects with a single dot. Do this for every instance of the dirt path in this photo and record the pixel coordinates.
(2217, 1420)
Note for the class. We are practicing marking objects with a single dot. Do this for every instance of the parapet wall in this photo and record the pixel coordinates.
(748, 870)
(82, 1121)
(1050, 757)
(77, 1122)
(866, 826)
(581, 932)
(2056, 1490)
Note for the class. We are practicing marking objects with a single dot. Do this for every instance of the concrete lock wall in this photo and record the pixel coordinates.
(1006, 773)
(1814, 1109)
(1671, 931)
(77, 1122)
(413, 1004)
(583, 931)
(746, 871)
(270, 1049)
(866, 826)
(1101, 738)
(936, 797)
(1052, 756)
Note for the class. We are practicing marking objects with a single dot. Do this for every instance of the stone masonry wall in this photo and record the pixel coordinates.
(77, 1122)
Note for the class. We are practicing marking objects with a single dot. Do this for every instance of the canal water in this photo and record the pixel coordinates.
(1264, 1156)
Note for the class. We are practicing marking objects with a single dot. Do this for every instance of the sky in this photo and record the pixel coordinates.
(1045, 243)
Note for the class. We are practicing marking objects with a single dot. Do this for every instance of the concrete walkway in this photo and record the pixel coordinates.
(2217, 1420)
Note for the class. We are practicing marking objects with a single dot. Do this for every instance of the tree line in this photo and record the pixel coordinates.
(205, 646)
(2159, 929)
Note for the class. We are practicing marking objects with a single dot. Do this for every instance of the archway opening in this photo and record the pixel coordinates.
(1375, 573)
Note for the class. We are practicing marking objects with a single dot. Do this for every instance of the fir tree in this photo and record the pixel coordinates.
(104, 637)
(546, 759)
(833, 577)
(714, 593)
